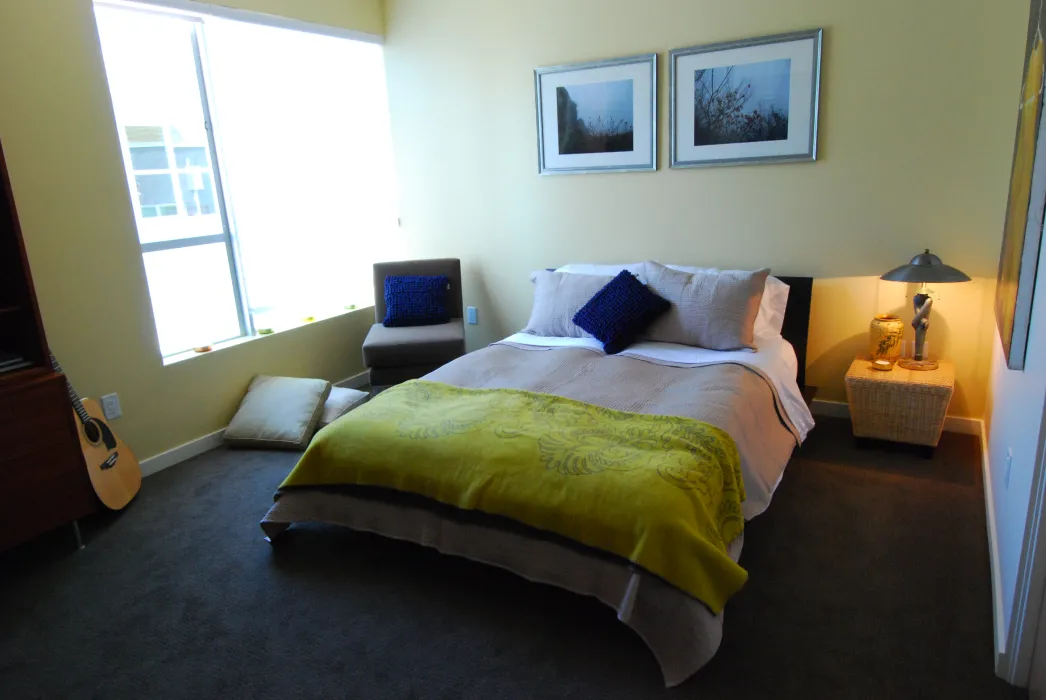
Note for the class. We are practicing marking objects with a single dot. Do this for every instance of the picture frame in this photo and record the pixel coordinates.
(1025, 205)
(748, 101)
(599, 116)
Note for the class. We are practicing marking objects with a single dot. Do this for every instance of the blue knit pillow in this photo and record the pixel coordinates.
(416, 300)
(620, 311)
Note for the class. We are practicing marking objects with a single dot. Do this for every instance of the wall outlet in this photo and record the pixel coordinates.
(1009, 464)
(472, 315)
(111, 407)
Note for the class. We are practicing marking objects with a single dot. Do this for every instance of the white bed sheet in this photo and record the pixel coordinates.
(775, 358)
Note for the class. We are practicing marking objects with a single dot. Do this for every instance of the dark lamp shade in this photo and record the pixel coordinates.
(926, 268)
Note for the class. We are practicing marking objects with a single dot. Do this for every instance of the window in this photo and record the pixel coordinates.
(259, 164)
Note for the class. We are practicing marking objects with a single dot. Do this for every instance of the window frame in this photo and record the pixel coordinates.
(227, 236)
(199, 12)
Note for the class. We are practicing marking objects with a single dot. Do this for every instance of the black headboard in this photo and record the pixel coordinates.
(796, 328)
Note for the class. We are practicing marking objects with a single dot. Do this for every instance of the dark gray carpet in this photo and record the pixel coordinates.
(869, 579)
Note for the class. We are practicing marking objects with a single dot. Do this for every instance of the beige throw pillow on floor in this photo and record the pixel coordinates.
(340, 402)
(278, 412)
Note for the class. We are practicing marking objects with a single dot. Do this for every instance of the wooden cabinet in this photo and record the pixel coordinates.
(43, 478)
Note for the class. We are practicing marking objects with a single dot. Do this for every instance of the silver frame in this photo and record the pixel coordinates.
(232, 241)
(568, 68)
(674, 54)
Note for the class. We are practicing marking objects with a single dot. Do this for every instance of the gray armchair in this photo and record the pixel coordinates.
(395, 355)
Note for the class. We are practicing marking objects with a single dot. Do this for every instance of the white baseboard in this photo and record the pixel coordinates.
(952, 424)
(998, 605)
(356, 381)
(965, 426)
(182, 452)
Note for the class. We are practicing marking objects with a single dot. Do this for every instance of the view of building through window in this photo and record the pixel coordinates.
(172, 175)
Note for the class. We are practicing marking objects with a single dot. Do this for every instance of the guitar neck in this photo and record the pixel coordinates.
(78, 405)
(74, 398)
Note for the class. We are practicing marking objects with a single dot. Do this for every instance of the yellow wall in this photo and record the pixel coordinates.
(917, 122)
(360, 15)
(60, 140)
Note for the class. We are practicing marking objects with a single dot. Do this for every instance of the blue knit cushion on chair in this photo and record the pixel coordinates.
(620, 311)
(416, 300)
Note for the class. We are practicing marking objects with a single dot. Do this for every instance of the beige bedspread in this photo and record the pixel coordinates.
(731, 397)
(680, 631)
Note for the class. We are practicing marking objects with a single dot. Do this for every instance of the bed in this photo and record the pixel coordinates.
(759, 399)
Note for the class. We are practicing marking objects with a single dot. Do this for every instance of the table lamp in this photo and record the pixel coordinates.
(925, 268)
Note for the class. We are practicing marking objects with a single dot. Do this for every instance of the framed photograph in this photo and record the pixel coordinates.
(1024, 209)
(751, 101)
(597, 117)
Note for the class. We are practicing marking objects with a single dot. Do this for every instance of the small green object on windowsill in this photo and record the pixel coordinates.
(264, 331)
(351, 307)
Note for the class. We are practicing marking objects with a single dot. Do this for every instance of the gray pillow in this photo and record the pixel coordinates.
(712, 309)
(278, 412)
(557, 297)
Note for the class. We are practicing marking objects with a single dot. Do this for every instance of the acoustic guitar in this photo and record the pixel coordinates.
(115, 474)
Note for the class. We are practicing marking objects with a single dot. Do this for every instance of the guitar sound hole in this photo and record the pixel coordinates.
(91, 432)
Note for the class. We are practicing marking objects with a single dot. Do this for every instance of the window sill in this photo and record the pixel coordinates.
(224, 345)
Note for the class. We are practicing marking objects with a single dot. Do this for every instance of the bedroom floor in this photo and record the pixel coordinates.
(869, 578)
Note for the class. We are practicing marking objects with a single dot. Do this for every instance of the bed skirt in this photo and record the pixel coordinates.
(682, 633)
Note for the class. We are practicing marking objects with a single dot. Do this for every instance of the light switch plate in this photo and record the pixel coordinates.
(472, 315)
(111, 407)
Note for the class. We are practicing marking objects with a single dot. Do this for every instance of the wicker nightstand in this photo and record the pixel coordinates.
(900, 405)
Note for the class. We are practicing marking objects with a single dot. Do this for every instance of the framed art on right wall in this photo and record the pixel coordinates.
(1024, 208)
(749, 101)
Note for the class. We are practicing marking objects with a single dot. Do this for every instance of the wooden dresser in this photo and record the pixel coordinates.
(43, 478)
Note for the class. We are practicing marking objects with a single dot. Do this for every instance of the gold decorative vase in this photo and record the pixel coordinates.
(885, 336)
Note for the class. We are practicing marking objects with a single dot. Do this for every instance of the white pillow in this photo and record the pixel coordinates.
(340, 402)
(607, 270)
(772, 309)
(770, 319)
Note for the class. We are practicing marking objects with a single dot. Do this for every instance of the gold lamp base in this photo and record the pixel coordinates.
(918, 365)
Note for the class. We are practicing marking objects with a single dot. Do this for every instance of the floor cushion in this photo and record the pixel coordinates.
(340, 402)
(278, 412)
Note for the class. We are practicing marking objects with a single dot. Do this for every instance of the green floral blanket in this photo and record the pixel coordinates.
(661, 491)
